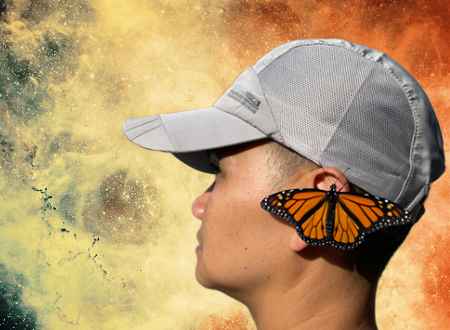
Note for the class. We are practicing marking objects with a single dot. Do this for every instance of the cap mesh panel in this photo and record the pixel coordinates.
(301, 87)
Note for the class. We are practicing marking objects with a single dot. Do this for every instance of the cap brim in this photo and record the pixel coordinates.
(189, 134)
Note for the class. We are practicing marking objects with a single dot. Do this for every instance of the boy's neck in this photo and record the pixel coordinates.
(324, 298)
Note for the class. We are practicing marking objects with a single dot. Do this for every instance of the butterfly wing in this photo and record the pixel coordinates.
(307, 209)
(357, 215)
(353, 215)
(313, 227)
(347, 232)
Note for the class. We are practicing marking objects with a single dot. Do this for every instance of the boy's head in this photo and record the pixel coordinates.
(309, 113)
(242, 247)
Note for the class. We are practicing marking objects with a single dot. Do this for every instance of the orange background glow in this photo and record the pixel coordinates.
(113, 247)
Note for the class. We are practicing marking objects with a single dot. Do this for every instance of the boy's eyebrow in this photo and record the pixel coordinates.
(217, 154)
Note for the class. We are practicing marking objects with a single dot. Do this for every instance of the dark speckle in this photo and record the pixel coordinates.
(13, 313)
(3, 6)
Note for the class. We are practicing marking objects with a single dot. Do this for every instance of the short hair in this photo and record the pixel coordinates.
(284, 162)
(372, 256)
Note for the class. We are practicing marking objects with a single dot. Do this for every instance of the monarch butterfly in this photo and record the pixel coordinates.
(331, 218)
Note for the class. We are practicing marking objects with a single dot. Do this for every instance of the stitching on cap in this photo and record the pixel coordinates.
(346, 111)
(142, 124)
(167, 134)
(267, 102)
(279, 55)
(412, 173)
(294, 44)
(244, 99)
(134, 137)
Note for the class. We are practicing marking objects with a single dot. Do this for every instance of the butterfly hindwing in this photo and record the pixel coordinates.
(313, 227)
(346, 231)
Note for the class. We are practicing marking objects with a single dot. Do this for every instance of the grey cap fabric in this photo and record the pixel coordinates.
(332, 101)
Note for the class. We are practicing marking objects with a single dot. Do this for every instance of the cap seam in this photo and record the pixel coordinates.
(319, 42)
(345, 114)
(241, 118)
(174, 147)
(295, 43)
(416, 131)
(267, 102)
(278, 56)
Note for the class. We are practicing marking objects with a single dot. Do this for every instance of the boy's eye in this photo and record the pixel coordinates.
(214, 160)
(216, 168)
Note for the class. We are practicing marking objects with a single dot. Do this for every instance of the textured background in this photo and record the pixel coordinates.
(97, 233)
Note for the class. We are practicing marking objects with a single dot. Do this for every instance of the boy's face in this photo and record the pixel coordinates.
(241, 245)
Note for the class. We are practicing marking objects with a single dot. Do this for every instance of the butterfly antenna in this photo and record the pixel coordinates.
(347, 183)
(343, 186)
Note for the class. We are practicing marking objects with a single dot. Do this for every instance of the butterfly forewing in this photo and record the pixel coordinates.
(293, 204)
(369, 210)
(365, 211)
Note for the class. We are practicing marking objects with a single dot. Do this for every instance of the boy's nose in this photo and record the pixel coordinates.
(199, 204)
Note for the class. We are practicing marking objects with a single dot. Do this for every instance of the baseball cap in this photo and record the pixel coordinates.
(332, 101)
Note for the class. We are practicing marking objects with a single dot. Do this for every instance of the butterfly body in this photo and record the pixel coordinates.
(332, 198)
(330, 218)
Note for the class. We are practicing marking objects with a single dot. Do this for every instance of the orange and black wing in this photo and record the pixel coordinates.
(357, 215)
(353, 216)
(307, 209)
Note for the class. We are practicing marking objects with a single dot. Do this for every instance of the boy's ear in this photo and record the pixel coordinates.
(320, 178)
(324, 177)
